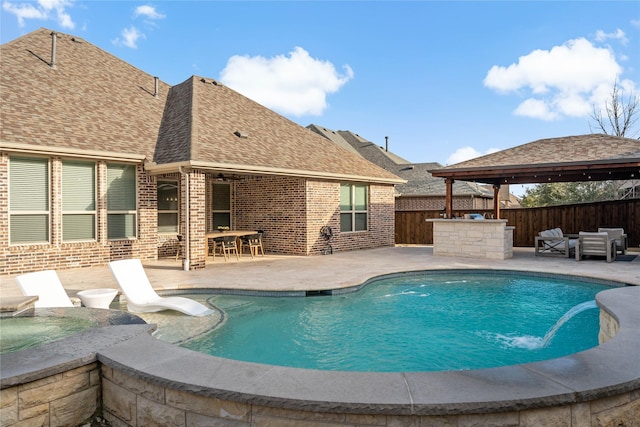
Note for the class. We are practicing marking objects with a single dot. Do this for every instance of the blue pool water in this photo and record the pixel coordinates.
(415, 322)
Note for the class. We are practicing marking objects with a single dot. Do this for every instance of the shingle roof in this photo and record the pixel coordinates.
(94, 102)
(567, 149)
(90, 101)
(569, 158)
(419, 181)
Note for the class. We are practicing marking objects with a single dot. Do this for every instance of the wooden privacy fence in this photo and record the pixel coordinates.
(412, 227)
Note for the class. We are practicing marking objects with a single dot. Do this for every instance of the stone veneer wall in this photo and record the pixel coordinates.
(488, 239)
(608, 327)
(130, 401)
(66, 399)
(18, 259)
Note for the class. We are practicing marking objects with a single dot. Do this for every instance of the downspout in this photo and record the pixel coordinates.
(187, 223)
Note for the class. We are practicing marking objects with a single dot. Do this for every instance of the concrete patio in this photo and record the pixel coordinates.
(339, 270)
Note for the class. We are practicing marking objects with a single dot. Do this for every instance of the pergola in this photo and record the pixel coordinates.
(593, 157)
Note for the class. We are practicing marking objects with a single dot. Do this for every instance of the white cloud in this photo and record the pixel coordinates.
(560, 82)
(296, 84)
(601, 36)
(149, 12)
(467, 153)
(130, 37)
(42, 10)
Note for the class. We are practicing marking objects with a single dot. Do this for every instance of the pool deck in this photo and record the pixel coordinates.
(322, 272)
(603, 381)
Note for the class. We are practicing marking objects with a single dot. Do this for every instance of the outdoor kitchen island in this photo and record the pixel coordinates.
(472, 238)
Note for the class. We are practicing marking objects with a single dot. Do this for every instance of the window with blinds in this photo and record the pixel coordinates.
(121, 202)
(29, 208)
(78, 201)
(353, 207)
(168, 202)
(221, 205)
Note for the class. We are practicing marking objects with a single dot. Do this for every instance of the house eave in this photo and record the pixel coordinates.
(70, 152)
(157, 169)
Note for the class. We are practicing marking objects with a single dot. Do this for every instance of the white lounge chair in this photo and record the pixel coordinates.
(142, 298)
(47, 286)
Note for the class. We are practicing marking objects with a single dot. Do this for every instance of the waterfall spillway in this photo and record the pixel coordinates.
(565, 318)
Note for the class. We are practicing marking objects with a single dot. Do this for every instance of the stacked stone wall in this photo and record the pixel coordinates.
(69, 398)
(130, 401)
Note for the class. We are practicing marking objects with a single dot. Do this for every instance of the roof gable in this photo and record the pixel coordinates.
(596, 157)
(419, 181)
(92, 101)
(567, 149)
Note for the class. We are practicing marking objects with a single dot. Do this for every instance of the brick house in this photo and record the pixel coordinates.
(421, 190)
(101, 161)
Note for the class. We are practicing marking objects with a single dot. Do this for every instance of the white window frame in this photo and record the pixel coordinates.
(15, 213)
(70, 213)
(352, 210)
(124, 212)
(176, 211)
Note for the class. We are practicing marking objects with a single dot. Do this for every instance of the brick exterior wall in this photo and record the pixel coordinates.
(57, 255)
(290, 210)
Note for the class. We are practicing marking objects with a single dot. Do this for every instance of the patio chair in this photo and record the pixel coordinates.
(227, 244)
(254, 243)
(47, 286)
(595, 244)
(142, 298)
(179, 249)
(617, 234)
(554, 242)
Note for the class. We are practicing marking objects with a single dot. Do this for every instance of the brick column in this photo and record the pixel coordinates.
(194, 202)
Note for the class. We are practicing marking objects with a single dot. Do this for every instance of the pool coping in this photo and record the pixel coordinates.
(609, 369)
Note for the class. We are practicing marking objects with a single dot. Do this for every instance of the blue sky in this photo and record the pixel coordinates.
(445, 81)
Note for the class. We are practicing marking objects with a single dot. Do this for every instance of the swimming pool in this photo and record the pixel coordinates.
(422, 321)
(602, 381)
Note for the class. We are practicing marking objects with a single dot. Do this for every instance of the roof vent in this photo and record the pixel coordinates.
(240, 134)
(155, 87)
(54, 36)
